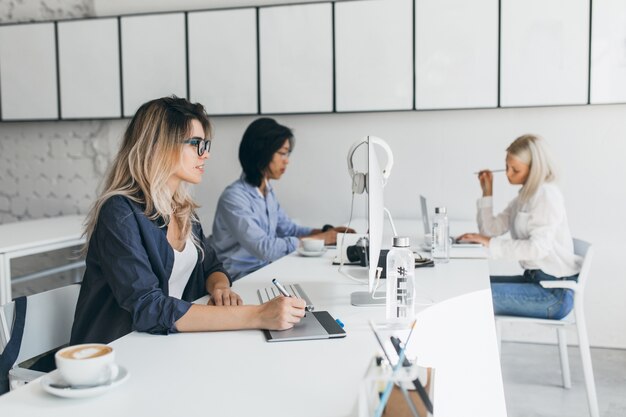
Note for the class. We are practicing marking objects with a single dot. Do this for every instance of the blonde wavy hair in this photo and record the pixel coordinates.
(150, 152)
(532, 150)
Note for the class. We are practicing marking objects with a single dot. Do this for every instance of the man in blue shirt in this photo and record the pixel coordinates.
(250, 229)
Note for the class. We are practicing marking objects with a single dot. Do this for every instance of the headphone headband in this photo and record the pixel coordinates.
(380, 142)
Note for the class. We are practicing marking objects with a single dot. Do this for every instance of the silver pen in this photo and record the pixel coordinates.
(492, 170)
(280, 287)
(284, 292)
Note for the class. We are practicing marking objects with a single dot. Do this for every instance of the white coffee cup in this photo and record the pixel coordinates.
(312, 244)
(87, 364)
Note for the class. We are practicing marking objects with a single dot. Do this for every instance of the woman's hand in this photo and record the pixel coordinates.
(281, 313)
(343, 229)
(486, 182)
(224, 296)
(329, 236)
(474, 238)
(218, 285)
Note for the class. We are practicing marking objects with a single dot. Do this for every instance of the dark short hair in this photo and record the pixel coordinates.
(260, 141)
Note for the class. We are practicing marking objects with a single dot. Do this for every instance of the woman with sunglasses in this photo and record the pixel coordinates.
(250, 229)
(146, 255)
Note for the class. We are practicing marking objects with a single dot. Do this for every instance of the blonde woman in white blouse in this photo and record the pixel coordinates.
(539, 239)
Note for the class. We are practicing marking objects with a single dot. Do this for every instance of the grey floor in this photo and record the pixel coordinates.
(531, 372)
(532, 381)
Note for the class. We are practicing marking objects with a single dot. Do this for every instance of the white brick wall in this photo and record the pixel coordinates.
(49, 168)
(34, 10)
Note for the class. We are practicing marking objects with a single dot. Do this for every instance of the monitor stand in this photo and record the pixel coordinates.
(364, 299)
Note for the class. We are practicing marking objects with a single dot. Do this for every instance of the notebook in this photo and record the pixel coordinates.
(315, 325)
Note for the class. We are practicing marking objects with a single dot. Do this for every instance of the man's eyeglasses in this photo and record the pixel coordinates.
(203, 145)
(284, 155)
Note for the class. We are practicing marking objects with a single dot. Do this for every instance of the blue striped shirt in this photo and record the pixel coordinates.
(250, 230)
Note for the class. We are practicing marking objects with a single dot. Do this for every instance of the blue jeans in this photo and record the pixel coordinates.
(522, 295)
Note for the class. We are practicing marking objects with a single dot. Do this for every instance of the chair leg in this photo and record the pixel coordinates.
(585, 354)
(565, 374)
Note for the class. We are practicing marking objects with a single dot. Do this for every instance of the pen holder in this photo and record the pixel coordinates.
(375, 382)
(394, 384)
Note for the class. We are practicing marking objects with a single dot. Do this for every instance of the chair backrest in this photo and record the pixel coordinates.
(48, 324)
(584, 249)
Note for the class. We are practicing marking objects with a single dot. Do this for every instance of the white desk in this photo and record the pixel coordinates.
(34, 236)
(238, 373)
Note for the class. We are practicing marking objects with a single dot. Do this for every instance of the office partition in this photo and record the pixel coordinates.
(223, 60)
(154, 59)
(296, 58)
(89, 69)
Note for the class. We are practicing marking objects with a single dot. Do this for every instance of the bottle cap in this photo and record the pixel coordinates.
(401, 242)
(441, 210)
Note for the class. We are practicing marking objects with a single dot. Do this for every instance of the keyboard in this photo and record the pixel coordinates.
(295, 290)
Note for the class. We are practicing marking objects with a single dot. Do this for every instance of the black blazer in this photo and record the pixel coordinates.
(128, 266)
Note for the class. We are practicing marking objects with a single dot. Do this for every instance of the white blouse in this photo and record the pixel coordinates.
(540, 236)
(184, 263)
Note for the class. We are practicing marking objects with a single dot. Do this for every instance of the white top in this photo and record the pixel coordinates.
(540, 236)
(184, 262)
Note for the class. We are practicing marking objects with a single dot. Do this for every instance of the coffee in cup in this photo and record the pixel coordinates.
(312, 244)
(87, 364)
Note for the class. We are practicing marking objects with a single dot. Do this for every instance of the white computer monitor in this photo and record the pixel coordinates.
(375, 212)
(375, 219)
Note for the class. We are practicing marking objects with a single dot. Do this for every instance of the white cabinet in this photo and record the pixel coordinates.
(28, 72)
(456, 54)
(223, 61)
(89, 69)
(374, 55)
(608, 52)
(341, 56)
(544, 52)
(296, 58)
(154, 60)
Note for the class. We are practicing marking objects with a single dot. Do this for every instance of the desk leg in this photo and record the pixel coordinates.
(5, 278)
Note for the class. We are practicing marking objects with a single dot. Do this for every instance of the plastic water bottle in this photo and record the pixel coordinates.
(441, 236)
(400, 280)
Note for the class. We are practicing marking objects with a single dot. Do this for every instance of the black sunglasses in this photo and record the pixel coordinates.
(203, 145)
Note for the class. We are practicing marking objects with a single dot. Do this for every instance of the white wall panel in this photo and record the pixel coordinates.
(223, 61)
(28, 72)
(374, 55)
(608, 52)
(296, 54)
(89, 68)
(456, 54)
(153, 58)
(544, 52)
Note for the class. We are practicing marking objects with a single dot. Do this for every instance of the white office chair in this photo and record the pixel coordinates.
(575, 318)
(48, 324)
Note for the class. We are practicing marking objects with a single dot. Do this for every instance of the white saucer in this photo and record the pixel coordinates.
(55, 378)
(303, 252)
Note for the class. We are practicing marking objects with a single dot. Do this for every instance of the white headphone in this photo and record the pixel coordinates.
(359, 179)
